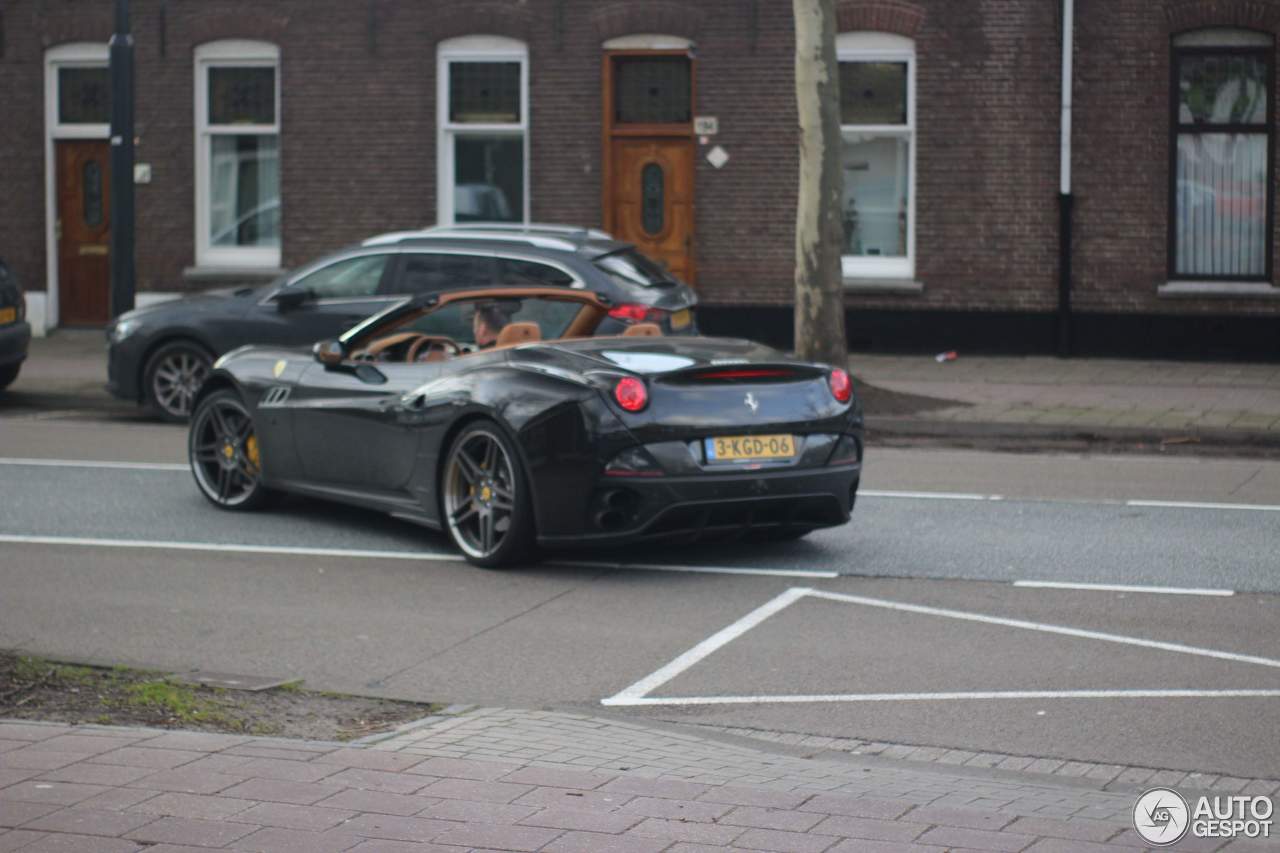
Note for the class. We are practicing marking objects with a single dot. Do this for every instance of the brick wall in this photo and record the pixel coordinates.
(359, 139)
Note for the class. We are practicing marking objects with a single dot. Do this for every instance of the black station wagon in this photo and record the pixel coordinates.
(159, 355)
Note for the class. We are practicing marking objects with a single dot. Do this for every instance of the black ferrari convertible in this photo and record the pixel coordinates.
(496, 415)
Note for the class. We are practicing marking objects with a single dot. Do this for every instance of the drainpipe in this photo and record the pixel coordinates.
(122, 255)
(1065, 199)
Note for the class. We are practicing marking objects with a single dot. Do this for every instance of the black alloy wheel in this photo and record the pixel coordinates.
(173, 377)
(486, 504)
(223, 450)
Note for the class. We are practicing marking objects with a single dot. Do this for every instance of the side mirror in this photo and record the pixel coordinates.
(330, 353)
(287, 298)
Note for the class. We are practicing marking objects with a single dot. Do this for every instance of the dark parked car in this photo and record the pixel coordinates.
(15, 332)
(533, 429)
(160, 354)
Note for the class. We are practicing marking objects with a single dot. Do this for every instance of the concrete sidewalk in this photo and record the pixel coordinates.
(1107, 398)
(490, 779)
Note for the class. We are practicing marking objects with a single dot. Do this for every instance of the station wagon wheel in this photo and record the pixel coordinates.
(223, 450)
(172, 378)
(486, 502)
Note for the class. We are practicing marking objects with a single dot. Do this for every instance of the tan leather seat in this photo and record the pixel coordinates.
(643, 330)
(518, 333)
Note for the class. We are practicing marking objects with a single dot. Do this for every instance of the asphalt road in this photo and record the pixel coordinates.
(920, 639)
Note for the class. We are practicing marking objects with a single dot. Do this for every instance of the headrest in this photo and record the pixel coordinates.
(518, 333)
(643, 330)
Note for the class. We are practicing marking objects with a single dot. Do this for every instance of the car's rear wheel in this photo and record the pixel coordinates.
(487, 507)
(223, 450)
(173, 376)
(8, 374)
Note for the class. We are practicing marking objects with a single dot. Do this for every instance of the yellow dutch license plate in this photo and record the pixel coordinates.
(737, 448)
(8, 315)
(681, 319)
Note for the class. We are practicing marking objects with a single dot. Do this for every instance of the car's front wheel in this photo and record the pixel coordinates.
(486, 502)
(222, 447)
(173, 377)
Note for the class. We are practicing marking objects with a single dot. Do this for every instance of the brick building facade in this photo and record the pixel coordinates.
(956, 145)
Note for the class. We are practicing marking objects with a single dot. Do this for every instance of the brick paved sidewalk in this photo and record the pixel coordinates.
(92, 789)
(1160, 396)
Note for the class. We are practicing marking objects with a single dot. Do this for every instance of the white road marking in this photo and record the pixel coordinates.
(1082, 633)
(1199, 505)
(94, 463)
(1107, 587)
(708, 570)
(706, 647)
(227, 547)
(927, 496)
(637, 694)
(357, 553)
(943, 697)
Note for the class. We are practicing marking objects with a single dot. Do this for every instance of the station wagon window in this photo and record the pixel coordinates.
(483, 116)
(517, 273)
(347, 279)
(237, 98)
(1222, 173)
(424, 272)
(877, 128)
(629, 267)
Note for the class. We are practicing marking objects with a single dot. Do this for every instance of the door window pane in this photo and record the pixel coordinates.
(1222, 89)
(488, 179)
(242, 95)
(484, 92)
(431, 273)
(1221, 205)
(651, 192)
(652, 90)
(351, 278)
(91, 183)
(84, 96)
(244, 185)
(873, 93)
(876, 192)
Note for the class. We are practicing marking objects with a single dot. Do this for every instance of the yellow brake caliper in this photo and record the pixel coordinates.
(251, 451)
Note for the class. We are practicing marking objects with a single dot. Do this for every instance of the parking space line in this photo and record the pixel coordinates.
(927, 496)
(637, 693)
(706, 647)
(943, 697)
(95, 463)
(1081, 633)
(1109, 587)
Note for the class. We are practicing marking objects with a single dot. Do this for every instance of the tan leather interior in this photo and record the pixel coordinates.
(643, 330)
(518, 333)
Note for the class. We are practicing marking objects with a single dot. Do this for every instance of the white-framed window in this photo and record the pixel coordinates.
(237, 98)
(878, 154)
(483, 119)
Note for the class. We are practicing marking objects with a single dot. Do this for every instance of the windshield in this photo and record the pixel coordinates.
(458, 319)
(630, 267)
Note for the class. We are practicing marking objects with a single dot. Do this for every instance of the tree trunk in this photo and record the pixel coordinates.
(819, 321)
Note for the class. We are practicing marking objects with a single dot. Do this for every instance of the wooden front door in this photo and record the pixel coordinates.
(653, 199)
(649, 154)
(83, 232)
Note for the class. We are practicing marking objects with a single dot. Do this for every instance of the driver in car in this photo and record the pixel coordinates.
(488, 323)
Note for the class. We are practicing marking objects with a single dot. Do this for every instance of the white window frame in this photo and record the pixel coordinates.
(478, 48)
(885, 47)
(73, 55)
(234, 53)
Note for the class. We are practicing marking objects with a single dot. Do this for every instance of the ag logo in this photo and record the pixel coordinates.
(1161, 817)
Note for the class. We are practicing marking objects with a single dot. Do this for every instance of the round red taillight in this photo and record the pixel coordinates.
(631, 394)
(841, 385)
